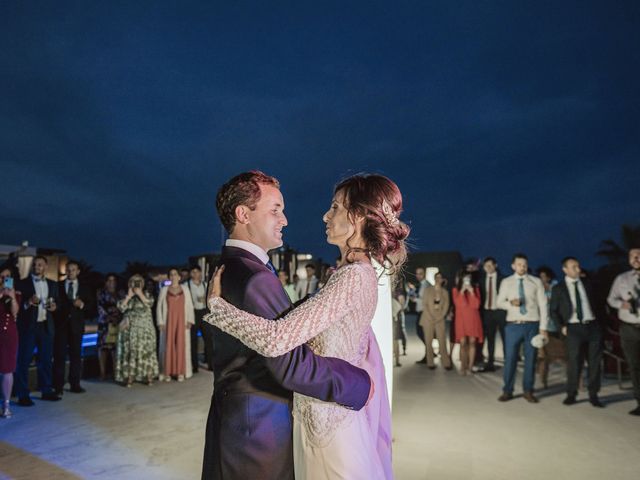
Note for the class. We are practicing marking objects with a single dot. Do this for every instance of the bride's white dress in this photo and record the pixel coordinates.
(330, 441)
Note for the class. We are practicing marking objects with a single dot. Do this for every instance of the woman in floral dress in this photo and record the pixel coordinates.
(136, 350)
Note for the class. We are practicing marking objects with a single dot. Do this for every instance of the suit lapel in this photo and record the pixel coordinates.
(231, 252)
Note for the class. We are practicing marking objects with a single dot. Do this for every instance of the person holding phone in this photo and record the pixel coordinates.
(9, 306)
(468, 331)
(136, 357)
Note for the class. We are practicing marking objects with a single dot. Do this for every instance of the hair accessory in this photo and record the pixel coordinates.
(389, 215)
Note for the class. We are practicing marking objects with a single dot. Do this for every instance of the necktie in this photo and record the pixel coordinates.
(272, 268)
(521, 297)
(489, 303)
(579, 311)
(70, 291)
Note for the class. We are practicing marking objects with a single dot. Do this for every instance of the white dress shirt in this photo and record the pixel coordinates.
(197, 292)
(492, 279)
(587, 313)
(249, 247)
(625, 286)
(535, 300)
(307, 286)
(42, 292)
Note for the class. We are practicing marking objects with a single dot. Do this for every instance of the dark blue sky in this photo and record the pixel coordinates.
(507, 125)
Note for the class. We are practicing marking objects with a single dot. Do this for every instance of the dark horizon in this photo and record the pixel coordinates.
(508, 127)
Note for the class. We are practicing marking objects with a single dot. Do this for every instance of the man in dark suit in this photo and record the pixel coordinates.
(75, 298)
(249, 429)
(572, 309)
(36, 329)
(493, 318)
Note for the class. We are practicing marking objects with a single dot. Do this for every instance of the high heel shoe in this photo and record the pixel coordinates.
(6, 412)
(181, 378)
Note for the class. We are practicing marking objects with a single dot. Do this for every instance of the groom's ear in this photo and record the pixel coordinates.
(242, 214)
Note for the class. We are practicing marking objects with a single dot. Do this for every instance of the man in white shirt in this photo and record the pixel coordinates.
(198, 289)
(571, 309)
(625, 297)
(36, 329)
(523, 297)
(309, 285)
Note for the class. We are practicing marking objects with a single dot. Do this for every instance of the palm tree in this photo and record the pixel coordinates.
(616, 253)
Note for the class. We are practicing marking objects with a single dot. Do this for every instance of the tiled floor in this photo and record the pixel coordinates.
(445, 427)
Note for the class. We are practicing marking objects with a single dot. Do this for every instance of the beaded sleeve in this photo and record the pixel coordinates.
(350, 291)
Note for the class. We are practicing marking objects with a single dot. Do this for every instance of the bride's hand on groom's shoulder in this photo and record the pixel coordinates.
(215, 285)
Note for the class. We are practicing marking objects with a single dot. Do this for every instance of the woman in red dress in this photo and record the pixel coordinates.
(9, 305)
(468, 330)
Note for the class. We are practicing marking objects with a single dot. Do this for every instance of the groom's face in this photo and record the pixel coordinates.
(267, 220)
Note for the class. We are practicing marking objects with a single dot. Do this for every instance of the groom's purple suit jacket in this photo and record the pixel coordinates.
(249, 429)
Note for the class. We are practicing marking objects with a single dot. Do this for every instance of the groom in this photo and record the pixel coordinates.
(249, 429)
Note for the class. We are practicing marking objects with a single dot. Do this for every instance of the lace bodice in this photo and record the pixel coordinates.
(335, 322)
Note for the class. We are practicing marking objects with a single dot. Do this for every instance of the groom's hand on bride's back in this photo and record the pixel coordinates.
(372, 390)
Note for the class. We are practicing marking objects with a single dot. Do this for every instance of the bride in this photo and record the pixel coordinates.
(330, 441)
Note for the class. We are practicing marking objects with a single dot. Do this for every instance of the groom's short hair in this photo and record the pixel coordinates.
(243, 189)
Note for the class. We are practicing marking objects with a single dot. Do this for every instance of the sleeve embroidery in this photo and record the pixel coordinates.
(349, 291)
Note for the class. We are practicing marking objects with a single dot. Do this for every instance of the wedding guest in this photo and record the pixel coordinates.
(416, 304)
(75, 301)
(308, 285)
(175, 317)
(397, 312)
(572, 310)
(472, 266)
(625, 297)
(436, 305)
(493, 318)
(548, 279)
(185, 275)
(35, 329)
(289, 287)
(326, 271)
(9, 306)
(136, 348)
(555, 348)
(523, 297)
(198, 289)
(109, 317)
(468, 324)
